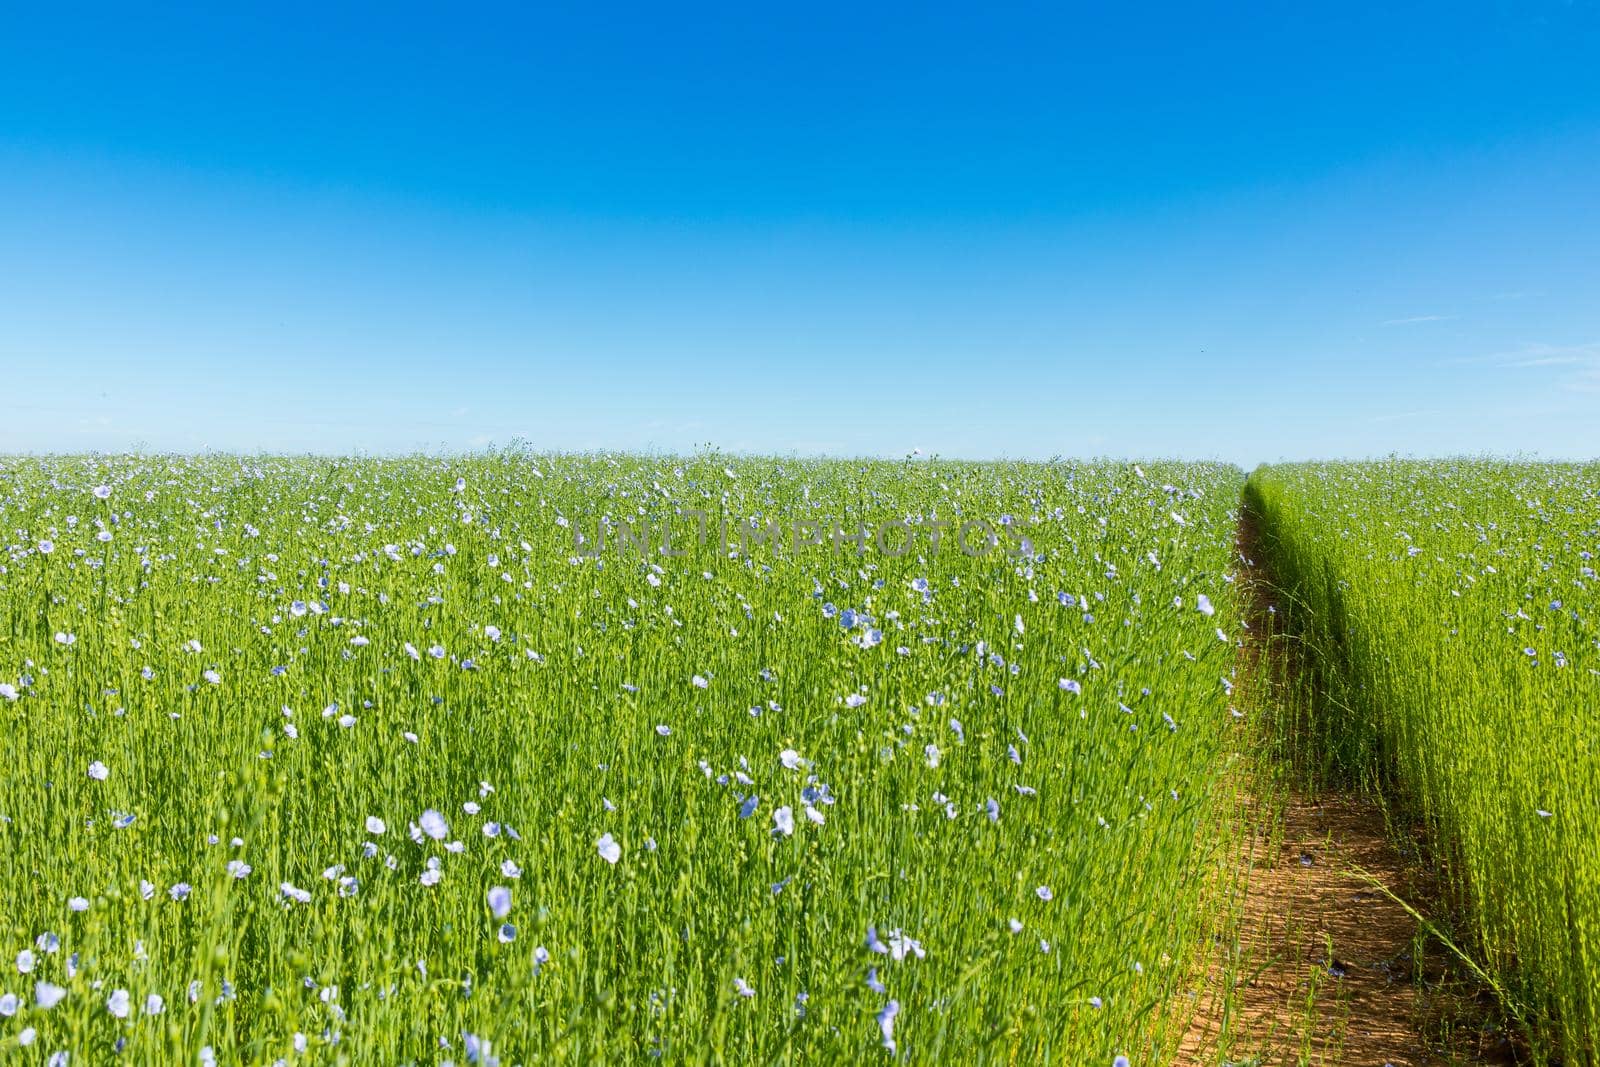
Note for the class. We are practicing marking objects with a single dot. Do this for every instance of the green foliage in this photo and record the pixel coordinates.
(264, 654)
(1447, 616)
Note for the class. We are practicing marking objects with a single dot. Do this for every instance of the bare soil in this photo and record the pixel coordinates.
(1326, 968)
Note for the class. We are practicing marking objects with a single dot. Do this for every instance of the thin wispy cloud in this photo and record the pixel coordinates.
(1415, 319)
(1586, 380)
(1543, 361)
(1584, 359)
(1583, 362)
(1545, 355)
(1531, 354)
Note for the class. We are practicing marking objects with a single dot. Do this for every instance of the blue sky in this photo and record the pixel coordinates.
(1018, 231)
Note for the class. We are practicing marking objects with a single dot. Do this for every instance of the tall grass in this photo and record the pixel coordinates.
(1449, 612)
(737, 822)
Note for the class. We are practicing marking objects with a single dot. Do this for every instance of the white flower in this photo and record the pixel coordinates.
(902, 945)
(610, 851)
(375, 825)
(117, 1003)
(886, 1023)
(433, 825)
(99, 771)
(783, 821)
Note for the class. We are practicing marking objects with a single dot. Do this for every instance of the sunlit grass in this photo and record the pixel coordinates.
(1449, 610)
(270, 656)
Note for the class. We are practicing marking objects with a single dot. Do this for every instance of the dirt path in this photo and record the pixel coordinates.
(1326, 968)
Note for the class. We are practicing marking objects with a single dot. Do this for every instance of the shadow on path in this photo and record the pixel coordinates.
(1325, 968)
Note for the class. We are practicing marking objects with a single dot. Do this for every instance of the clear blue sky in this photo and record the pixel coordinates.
(982, 231)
